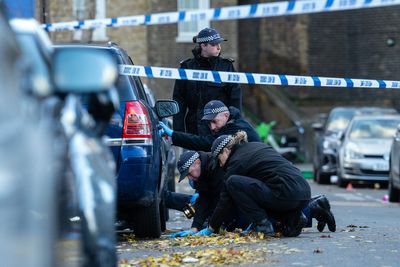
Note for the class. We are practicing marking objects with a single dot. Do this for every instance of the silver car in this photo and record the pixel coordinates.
(364, 154)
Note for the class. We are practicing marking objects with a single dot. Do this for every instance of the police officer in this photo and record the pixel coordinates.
(193, 95)
(221, 120)
(206, 179)
(262, 184)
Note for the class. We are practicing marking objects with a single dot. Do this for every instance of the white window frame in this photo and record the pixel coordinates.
(187, 36)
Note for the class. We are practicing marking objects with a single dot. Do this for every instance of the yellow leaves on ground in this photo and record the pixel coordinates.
(207, 257)
(223, 239)
(228, 248)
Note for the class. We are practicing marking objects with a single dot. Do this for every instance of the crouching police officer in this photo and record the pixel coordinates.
(206, 180)
(262, 184)
(221, 120)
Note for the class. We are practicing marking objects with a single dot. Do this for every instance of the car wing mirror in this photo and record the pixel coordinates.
(77, 70)
(166, 108)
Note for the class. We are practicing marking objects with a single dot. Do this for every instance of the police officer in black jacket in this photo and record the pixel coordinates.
(262, 184)
(221, 120)
(207, 180)
(193, 95)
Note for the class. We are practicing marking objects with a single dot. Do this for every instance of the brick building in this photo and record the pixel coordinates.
(358, 44)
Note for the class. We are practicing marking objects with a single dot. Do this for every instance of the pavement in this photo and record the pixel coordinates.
(368, 234)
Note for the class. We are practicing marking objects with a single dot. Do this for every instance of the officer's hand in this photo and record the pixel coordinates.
(193, 199)
(205, 232)
(182, 233)
(168, 131)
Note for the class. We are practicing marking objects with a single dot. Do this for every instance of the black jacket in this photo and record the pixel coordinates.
(209, 187)
(193, 95)
(262, 162)
(235, 123)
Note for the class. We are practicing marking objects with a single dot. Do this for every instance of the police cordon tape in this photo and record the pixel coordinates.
(284, 8)
(253, 78)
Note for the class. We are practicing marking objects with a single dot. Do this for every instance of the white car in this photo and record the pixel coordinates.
(364, 154)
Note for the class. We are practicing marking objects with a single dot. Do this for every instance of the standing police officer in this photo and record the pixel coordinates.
(193, 95)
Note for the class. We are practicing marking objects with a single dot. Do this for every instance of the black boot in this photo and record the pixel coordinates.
(321, 210)
(294, 224)
(263, 226)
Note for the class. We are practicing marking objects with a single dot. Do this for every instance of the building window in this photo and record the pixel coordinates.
(186, 30)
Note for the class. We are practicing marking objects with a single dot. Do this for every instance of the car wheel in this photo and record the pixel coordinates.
(394, 193)
(146, 220)
(341, 182)
(322, 178)
(163, 216)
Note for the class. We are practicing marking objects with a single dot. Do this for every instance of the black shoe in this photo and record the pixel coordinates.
(321, 210)
(263, 226)
(294, 224)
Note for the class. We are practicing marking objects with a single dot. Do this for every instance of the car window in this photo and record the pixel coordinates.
(338, 121)
(380, 128)
(138, 83)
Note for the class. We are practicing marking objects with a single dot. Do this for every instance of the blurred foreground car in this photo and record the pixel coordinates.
(364, 154)
(327, 138)
(140, 153)
(394, 175)
(82, 186)
(27, 207)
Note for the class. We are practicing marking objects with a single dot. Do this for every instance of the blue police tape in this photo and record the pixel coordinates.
(253, 78)
(263, 10)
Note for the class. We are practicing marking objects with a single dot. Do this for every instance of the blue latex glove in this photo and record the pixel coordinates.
(168, 131)
(194, 198)
(182, 233)
(205, 232)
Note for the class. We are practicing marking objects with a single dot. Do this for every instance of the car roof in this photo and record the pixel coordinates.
(378, 116)
(31, 26)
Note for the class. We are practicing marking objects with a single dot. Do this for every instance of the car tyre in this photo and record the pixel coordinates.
(146, 221)
(394, 193)
(322, 178)
(163, 216)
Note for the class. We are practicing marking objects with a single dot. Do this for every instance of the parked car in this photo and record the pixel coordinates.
(327, 138)
(82, 187)
(364, 154)
(394, 166)
(140, 153)
(24, 156)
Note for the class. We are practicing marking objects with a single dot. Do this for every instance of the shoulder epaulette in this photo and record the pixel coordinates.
(183, 61)
(229, 59)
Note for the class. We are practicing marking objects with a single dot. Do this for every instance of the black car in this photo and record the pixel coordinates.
(143, 158)
(394, 169)
(327, 138)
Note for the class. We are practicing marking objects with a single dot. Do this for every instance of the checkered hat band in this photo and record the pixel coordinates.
(189, 162)
(208, 38)
(208, 111)
(222, 145)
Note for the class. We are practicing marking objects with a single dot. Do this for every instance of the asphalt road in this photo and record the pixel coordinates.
(368, 234)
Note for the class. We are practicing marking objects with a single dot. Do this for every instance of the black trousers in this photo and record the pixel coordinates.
(257, 201)
(175, 200)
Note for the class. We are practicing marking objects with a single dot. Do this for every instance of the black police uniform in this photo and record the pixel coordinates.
(209, 186)
(234, 124)
(259, 180)
(193, 95)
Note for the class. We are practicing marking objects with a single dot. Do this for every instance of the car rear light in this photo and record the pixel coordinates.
(137, 123)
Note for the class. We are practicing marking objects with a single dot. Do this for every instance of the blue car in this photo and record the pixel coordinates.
(142, 157)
